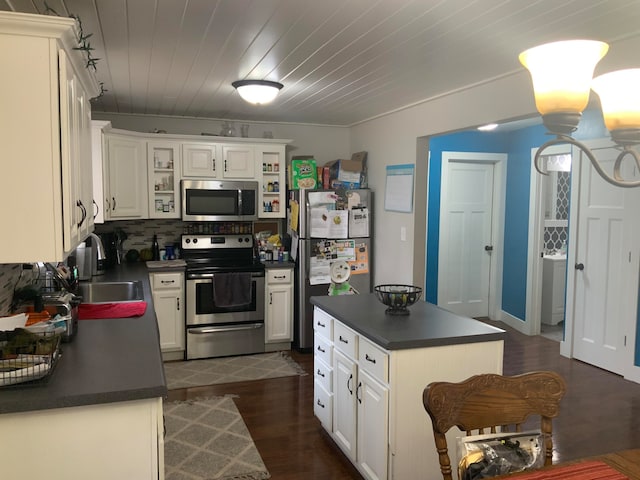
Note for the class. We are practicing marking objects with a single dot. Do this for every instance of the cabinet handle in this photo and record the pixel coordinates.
(167, 281)
(343, 340)
(97, 209)
(108, 203)
(113, 203)
(369, 359)
(321, 350)
(320, 404)
(320, 374)
(279, 277)
(214, 164)
(358, 392)
(225, 165)
(178, 303)
(348, 382)
(270, 298)
(320, 324)
(83, 210)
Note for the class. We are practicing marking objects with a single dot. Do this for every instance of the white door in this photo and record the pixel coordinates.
(373, 431)
(606, 267)
(466, 233)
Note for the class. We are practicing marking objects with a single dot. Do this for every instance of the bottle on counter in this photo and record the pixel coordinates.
(155, 248)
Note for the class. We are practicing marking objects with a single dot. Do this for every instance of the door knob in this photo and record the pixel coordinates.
(488, 248)
(579, 266)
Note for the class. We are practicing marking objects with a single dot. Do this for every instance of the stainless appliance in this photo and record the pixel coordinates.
(332, 225)
(219, 201)
(229, 322)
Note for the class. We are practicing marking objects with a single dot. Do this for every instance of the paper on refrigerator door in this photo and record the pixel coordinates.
(359, 222)
(329, 223)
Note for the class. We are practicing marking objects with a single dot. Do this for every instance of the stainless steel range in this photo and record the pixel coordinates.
(224, 296)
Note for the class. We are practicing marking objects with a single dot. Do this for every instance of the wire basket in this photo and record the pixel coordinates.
(27, 357)
(398, 297)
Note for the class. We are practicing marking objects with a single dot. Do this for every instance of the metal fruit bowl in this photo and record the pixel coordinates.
(398, 297)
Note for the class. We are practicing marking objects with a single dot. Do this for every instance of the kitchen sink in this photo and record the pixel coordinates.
(111, 292)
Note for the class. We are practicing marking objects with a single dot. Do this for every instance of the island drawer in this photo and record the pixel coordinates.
(322, 373)
(322, 323)
(374, 360)
(323, 406)
(323, 349)
(345, 340)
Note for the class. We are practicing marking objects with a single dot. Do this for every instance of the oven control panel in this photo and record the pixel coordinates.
(193, 242)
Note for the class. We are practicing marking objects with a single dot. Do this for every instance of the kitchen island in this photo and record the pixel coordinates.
(370, 369)
(99, 414)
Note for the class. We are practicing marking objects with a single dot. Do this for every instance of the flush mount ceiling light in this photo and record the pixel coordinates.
(561, 73)
(257, 92)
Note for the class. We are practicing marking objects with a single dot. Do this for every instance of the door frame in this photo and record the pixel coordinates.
(499, 161)
(533, 304)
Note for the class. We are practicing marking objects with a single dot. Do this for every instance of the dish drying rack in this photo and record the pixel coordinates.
(26, 357)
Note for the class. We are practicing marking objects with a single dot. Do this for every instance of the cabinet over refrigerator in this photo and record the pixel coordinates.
(329, 229)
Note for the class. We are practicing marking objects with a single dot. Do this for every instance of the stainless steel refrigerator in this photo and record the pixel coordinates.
(328, 227)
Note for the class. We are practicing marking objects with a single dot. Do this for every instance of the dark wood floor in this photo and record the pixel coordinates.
(599, 414)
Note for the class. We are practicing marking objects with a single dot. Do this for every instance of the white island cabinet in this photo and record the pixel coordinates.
(370, 370)
(45, 133)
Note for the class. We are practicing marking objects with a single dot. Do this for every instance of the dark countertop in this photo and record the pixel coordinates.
(109, 360)
(287, 264)
(426, 326)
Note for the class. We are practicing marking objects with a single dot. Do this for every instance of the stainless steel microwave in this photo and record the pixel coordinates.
(219, 201)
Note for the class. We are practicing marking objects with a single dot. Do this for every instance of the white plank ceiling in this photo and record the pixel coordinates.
(341, 61)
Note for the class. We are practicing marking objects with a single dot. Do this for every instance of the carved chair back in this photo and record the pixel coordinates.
(491, 403)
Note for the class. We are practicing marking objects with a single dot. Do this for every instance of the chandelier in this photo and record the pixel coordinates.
(258, 92)
(561, 73)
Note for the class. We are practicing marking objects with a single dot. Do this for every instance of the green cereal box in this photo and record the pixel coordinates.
(303, 173)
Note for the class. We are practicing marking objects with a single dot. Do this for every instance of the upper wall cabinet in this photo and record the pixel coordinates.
(200, 160)
(45, 133)
(125, 181)
(238, 161)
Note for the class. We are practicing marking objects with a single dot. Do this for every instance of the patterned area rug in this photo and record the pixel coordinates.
(207, 439)
(195, 373)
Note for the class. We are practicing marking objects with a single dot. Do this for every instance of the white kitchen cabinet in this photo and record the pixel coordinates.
(323, 369)
(97, 147)
(375, 396)
(126, 177)
(111, 440)
(45, 136)
(360, 407)
(273, 180)
(554, 270)
(201, 159)
(238, 161)
(168, 300)
(163, 171)
(279, 306)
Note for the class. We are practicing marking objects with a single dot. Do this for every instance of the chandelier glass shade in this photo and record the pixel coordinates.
(562, 77)
(257, 92)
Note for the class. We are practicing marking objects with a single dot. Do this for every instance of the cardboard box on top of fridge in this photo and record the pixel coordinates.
(349, 173)
(303, 173)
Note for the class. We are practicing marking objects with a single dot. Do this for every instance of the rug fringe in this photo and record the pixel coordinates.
(250, 476)
(295, 365)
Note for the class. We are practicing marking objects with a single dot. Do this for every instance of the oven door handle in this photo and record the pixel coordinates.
(224, 328)
(199, 276)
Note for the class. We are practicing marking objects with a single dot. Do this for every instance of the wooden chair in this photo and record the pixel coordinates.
(483, 403)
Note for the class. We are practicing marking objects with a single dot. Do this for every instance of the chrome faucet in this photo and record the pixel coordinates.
(99, 247)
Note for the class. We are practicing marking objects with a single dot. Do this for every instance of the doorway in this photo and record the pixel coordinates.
(471, 227)
(548, 239)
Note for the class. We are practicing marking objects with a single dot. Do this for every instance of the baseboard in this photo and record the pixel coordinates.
(514, 322)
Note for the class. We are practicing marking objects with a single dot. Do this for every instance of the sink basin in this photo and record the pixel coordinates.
(111, 292)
